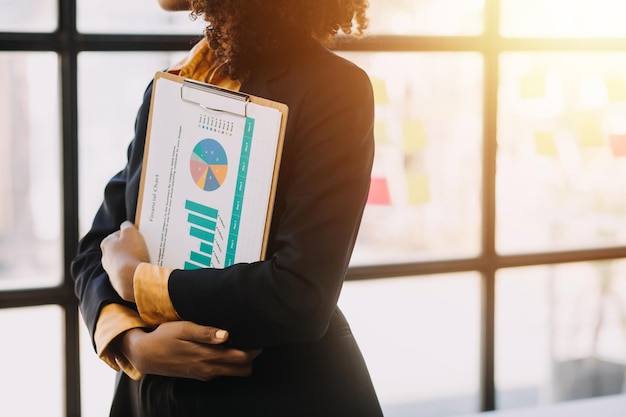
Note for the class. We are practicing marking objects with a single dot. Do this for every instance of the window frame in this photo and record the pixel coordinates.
(67, 42)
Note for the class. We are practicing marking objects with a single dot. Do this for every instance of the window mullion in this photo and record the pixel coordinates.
(69, 105)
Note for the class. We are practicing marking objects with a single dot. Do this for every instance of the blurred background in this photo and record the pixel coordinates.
(492, 254)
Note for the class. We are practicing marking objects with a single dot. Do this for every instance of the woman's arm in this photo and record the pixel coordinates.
(181, 345)
(184, 349)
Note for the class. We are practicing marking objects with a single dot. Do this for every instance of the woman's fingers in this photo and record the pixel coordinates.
(127, 224)
(201, 334)
(187, 350)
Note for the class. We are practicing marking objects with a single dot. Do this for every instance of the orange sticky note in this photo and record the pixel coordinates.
(544, 143)
(418, 187)
(533, 84)
(618, 145)
(414, 137)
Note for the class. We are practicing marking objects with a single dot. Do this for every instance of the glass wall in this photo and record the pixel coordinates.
(428, 130)
(563, 18)
(138, 16)
(30, 166)
(32, 348)
(427, 17)
(561, 148)
(420, 337)
(571, 343)
(28, 15)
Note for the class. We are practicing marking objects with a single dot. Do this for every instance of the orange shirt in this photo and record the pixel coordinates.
(150, 281)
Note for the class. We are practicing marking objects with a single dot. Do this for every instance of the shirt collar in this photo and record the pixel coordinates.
(201, 64)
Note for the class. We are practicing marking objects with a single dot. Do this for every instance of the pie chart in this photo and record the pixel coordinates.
(208, 165)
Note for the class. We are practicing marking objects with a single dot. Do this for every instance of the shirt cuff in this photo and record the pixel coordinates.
(152, 295)
(114, 320)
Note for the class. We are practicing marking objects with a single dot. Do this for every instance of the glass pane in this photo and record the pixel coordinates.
(420, 337)
(560, 332)
(561, 151)
(28, 15)
(32, 382)
(107, 107)
(424, 198)
(423, 17)
(137, 16)
(97, 379)
(563, 18)
(426, 17)
(30, 179)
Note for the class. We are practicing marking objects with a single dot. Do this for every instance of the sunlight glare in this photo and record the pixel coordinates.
(563, 18)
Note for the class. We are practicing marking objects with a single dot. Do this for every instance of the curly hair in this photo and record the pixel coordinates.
(241, 32)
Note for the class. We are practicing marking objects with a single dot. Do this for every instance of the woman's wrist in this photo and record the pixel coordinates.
(124, 342)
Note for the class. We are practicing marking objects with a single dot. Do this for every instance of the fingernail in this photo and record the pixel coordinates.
(220, 334)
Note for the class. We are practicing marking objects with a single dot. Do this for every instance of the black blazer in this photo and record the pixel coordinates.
(286, 304)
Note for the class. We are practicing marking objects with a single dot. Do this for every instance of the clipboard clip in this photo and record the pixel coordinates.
(214, 98)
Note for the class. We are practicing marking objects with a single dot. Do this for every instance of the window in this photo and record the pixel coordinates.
(488, 269)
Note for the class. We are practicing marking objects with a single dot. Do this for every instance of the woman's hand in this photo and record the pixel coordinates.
(122, 252)
(184, 349)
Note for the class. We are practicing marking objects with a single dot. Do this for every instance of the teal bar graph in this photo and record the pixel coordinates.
(202, 221)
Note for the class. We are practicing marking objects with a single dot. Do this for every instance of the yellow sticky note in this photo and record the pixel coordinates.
(615, 88)
(418, 187)
(544, 143)
(590, 131)
(533, 84)
(380, 131)
(414, 137)
(380, 91)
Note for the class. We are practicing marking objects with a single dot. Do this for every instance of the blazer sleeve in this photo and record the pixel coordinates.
(91, 284)
(322, 190)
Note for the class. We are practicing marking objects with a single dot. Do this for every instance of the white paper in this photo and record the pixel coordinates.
(207, 181)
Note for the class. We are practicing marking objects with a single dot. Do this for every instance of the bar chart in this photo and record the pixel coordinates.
(202, 222)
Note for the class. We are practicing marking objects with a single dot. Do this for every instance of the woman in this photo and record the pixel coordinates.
(260, 339)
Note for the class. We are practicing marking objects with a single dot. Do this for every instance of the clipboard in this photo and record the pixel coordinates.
(209, 175)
